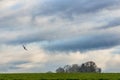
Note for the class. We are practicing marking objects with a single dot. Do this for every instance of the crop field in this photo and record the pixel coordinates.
(60, 76)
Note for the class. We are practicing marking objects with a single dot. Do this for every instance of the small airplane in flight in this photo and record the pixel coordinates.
(25, 48)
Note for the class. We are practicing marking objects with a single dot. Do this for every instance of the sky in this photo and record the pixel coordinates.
(57, 33)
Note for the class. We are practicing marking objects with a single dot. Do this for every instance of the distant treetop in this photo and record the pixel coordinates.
(89, 66)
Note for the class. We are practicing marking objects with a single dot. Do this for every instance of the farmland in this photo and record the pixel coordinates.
(60, 76)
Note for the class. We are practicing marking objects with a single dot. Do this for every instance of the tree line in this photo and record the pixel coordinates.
(89, 66)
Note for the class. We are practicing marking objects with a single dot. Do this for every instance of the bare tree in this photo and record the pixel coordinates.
(60, 70)
(89, 66)
(75, 68)
(67, 68)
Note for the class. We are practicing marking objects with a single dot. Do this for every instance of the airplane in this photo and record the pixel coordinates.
(24, 48)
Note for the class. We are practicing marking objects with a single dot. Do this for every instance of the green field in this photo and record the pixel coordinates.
(62, 76)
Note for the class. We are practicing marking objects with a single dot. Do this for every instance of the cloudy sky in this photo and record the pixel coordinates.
(59, 32)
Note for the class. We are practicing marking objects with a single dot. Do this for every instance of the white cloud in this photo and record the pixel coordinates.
(10, 8)
(25, 21)
(7, 3)
(28, 23)
(38, 60)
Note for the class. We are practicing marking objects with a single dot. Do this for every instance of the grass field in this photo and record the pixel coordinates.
(65, 76)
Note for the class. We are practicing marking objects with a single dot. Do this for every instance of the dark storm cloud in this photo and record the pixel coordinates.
(57, 25)
(18, 62)
(66, 8)
(85, 43)
(73, 7)
(26, 40)
(30, 38)
(14, 65)
(111, 24)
